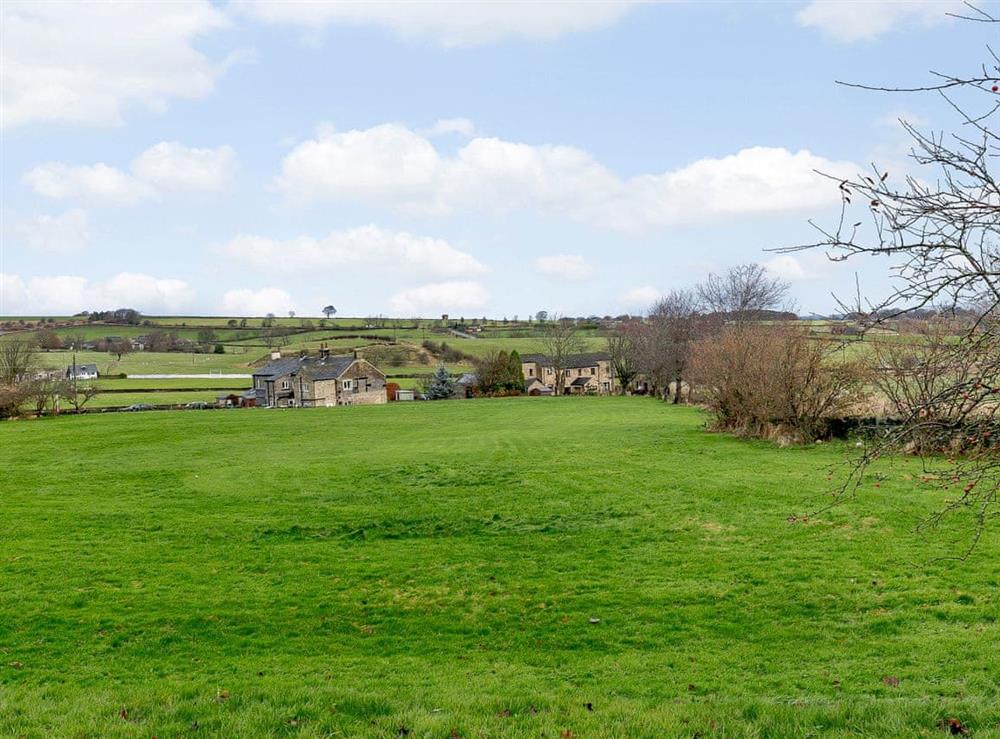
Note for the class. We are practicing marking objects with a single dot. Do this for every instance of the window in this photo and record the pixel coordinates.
(593, 370)
(347, 384)
(531, 372)
(285, 384)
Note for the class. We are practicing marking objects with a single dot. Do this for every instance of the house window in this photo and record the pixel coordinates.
(285, 384)
(548, 370)
(531, 372)
(593, 370)
(347, 384)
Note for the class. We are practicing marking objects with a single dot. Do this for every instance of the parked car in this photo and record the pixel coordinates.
(140, 407)
(198, 404)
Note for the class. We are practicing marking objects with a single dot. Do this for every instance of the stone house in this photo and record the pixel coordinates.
(318, 381)
(584, 374)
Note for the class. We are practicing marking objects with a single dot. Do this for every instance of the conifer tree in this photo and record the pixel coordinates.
(442, 385)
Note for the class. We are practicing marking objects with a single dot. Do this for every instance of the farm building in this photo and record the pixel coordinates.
(246, 399)
(534, 386)
(465, 386)
(318, 381)
(81, 372)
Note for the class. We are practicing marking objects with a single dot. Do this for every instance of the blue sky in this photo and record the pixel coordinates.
(492, 158)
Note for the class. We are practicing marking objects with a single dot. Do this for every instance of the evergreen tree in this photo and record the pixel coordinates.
(515, 377)
(442, 385)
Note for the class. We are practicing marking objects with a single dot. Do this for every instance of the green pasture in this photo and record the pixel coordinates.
(530, 567)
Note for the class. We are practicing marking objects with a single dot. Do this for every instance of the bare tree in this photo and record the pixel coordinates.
(560, 340)
(744, 292)
(48, 339)
(940, 229)
(44, 392)
(624, 346)
(18, 359)
(77, 393)
(120, 347)
(676, 322)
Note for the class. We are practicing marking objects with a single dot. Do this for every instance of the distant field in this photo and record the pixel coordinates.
(110, 400)
(134, 385)
(587, 567)
(154, 362)
(481, 347)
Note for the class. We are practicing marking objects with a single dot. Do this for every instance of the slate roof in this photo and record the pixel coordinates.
(318, 368)
(571, 361)
(277, 367)
(327, 368)
(82, 369)
(580, 381)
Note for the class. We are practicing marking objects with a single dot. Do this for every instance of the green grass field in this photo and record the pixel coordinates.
(178, 383)
(142, 363)
(593, 567)
(117, 400)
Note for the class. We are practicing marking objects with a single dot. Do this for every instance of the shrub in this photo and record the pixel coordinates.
(499, 373)
(763, 380)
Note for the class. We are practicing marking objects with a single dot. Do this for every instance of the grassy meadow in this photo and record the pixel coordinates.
(588, 567)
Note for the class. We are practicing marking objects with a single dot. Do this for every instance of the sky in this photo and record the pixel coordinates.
(413, 159)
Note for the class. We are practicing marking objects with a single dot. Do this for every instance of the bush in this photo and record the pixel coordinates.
(768, 381)
(499, 374)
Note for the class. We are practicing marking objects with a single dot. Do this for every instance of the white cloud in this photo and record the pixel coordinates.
(96, 183)
(864, 21)
(87, 62)
(641, 297)
(173, 166)
(370, 246)
(393, 165)
(450, 24)
(786, 267)
(570, 267)
(387, 161)
(257, 302)
(439, 297)
(449, 126)
(64, 233)
(13, 294)
(67, 294)
(167, 166)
